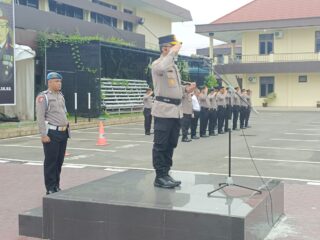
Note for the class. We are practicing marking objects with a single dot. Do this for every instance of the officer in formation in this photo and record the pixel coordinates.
(147, 106)
(248, 110)
(187, 111)
(228, 110)
(235, 108)
(243, 108)
(213, 116)
(6, 51)
(166, 110)
(54, 130)
(204, 111)
(221, 102)
(196, 113)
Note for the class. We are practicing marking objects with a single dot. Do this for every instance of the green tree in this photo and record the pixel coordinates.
(211, 81)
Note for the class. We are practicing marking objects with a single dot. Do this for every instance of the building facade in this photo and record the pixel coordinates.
(280, 50)
(139, 22)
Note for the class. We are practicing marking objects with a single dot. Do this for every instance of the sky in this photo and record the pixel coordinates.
(202, 12)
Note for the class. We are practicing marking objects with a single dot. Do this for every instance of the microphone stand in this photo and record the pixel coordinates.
(229, 181)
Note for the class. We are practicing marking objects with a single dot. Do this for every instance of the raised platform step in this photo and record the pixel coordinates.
(126, 206)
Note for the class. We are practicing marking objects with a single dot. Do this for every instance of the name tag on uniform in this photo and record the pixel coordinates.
(171, 82)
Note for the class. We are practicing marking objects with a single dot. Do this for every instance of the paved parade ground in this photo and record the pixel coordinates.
(283, 145)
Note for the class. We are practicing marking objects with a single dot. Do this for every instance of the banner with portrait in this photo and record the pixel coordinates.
(7, 64)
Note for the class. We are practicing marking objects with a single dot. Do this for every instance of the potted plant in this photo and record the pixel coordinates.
(270, 97)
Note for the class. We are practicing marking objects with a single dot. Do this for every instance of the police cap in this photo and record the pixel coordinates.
(168, 39)
(54, 75)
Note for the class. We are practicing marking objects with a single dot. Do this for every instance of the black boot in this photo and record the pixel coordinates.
(164, 182)
(177, 182)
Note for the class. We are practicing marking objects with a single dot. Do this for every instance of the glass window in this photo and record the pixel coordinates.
(128, 26)
(265, 43)
(105, 4)
(103, 19)
(66, 10)
(303, 79)
(29, 3)
(266, 86)
(318, 41)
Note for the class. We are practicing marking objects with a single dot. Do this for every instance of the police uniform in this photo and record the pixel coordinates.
(196, 113)
(213, 116)
(228, 110)
(235, 109)
(6, 53)
(167, 112)
(221, 102)
(204, 113)
(53, 122)
(243, 108)
(147, 105)
(248, 110)
(187, 114)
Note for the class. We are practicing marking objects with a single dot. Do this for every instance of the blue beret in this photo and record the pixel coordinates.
(54, 75)
(169, 39)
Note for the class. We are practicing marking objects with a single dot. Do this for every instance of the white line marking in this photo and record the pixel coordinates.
(4, 139)
(274, 160)
(34, 163)
(117, 133)
(288, 148)
(73, 166)
(15, 160)
(304, 134)
(314, 183)
(115, 169)
(308, 129)
(70, 148)
(128, 146)
(1, 161)
(193, 172)
(293, 140)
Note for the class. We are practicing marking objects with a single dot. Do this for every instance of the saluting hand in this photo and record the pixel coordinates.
(176, 48)
(45, 139)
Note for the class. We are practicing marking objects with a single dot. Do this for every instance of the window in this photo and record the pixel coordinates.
(105, 4)
(318, 41)
(265, 43)
(28, 3)
(66, 10)
(220, 59)
(127, 26)
(99, 18)
(303, 79)
(266, 86)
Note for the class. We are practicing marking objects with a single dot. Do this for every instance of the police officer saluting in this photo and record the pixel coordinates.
(166, 110)
(54, 130)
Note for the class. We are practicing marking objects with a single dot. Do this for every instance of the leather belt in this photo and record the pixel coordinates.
(57, 128)
(169, 100)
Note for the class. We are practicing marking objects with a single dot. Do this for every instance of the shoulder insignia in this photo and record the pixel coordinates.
(40, 99)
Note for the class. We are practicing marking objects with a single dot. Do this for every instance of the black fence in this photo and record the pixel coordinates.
(83, 65)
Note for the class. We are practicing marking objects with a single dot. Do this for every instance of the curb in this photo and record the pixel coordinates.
(33, 130)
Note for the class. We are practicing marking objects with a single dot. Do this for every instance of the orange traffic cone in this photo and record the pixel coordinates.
(102, 141)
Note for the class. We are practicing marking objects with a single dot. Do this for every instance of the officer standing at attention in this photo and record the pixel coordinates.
(204, 112)
(196, 113)
(166, 110)
(228, 110)
(248, 110)
(147, 105)
(221, 102)
(213, 116)
(243, 108)
(236, 107)
(187, 112)
(54, 129)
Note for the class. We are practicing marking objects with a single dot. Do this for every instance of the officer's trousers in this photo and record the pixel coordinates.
(147, 120)
(228, 114)
(221, 116)
(242, 116)
(54, 152)
(194, 123)
(247, 116)
(235, 111)
(213, 118)
(204, 116)
(166, 136)
(185, 125)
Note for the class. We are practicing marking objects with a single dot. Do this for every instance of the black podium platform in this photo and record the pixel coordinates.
(126, 206)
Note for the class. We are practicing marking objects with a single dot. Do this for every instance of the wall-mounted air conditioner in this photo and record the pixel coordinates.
(278, 34)
(252, 79)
